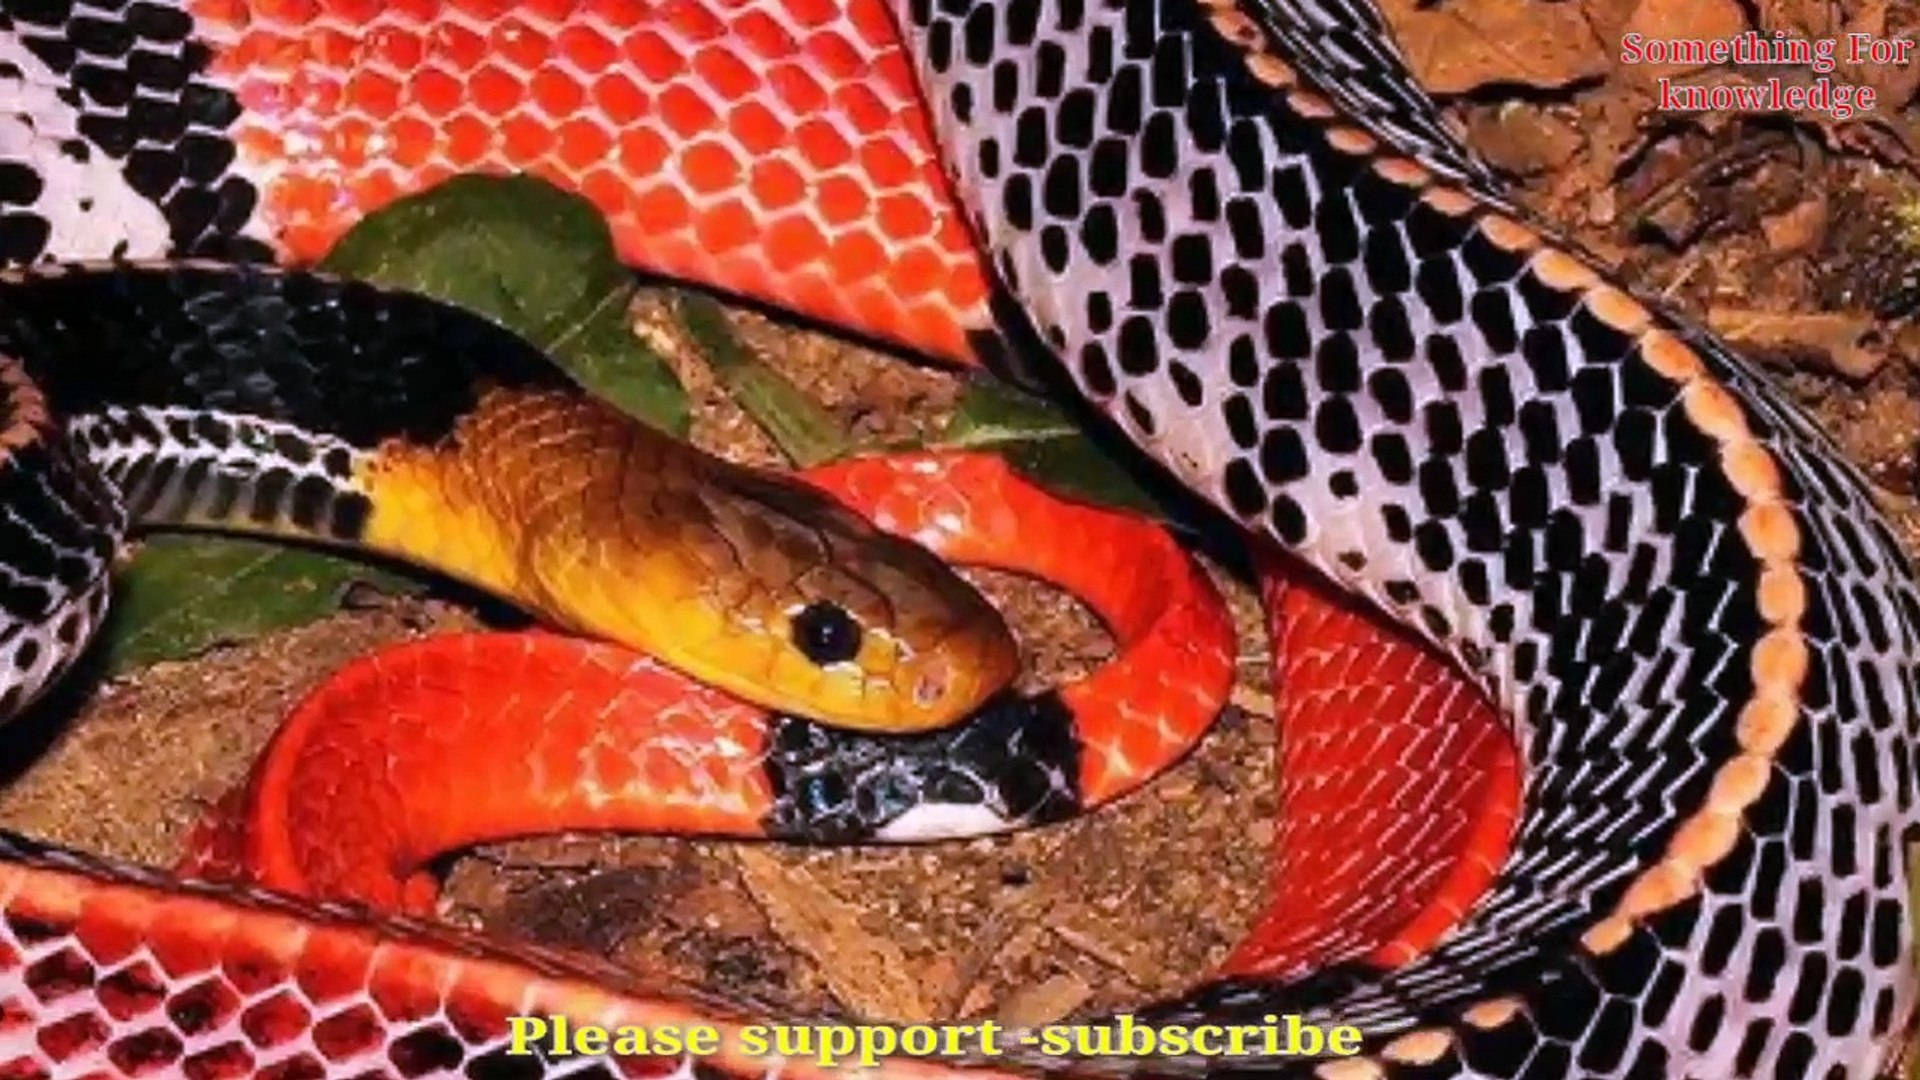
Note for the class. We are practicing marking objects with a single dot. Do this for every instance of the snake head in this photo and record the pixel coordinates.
(771, 589)
(755, 582)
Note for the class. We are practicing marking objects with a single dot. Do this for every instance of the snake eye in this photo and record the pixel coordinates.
(826, 633)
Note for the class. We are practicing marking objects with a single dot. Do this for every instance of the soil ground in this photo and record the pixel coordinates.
(1785, 233)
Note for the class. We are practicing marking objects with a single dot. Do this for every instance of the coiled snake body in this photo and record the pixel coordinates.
(1244, 233)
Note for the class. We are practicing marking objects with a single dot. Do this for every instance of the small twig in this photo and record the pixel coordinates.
(1088, 947)
(1688, 267)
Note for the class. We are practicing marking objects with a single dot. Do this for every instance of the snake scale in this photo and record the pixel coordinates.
(1240, 230)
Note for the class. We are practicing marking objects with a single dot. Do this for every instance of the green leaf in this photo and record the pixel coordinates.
(538, 260)
(184, 594)
(517, 249)
(1036, 437)
(803, 429)
(1042, 442)
(992, 413)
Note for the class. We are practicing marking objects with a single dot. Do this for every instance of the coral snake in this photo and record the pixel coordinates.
(1597, 701)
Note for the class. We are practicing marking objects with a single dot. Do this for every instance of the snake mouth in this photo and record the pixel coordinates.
(889, 690)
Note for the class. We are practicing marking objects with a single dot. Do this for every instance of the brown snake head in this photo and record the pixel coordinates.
(755, 582)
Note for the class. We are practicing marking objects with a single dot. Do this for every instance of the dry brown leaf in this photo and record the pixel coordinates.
(978, 991)
(1458, 47)
(1523, 138)
(1090, 945)
(723, 911)
(1838, 335)
(1807, 18)
(1799, 228)
(866, 972)
(1669, 20)
(1099, 940)
(1893, 84)
(1044, 1003)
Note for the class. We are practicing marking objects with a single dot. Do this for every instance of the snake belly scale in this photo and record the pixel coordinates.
(1246, 236)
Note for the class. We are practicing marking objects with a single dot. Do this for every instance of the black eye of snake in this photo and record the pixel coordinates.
(826, 633)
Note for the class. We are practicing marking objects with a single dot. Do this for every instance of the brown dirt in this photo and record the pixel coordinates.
(1140, 899)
